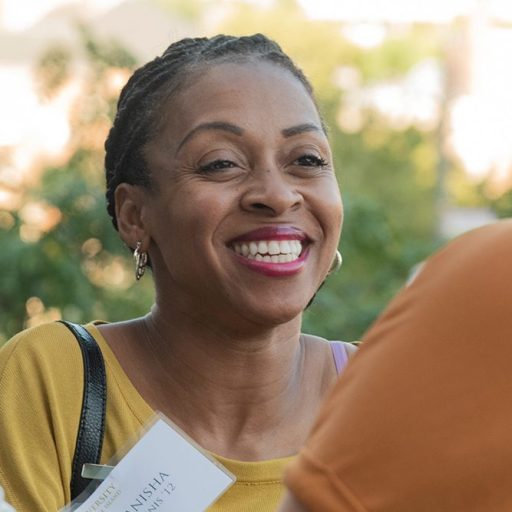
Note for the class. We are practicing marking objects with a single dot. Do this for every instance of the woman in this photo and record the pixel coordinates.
(220, 176)
(421, 419)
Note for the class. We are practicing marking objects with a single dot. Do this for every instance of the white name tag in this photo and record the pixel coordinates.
(162, 472)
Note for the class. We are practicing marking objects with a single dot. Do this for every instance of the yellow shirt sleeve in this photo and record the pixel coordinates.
(39, 417)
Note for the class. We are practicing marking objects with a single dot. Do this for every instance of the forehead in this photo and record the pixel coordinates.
(248, 94)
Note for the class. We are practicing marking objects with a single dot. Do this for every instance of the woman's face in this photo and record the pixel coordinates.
(244, 214)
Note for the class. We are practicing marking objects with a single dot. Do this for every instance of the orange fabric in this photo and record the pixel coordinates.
(421, 419)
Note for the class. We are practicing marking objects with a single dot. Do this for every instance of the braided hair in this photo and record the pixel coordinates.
(151, 85)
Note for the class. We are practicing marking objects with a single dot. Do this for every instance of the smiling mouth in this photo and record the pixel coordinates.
(270, 251)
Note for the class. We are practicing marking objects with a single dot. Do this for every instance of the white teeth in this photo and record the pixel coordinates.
(284, 247)
(262, 247)
(275, 251)
(273, 247)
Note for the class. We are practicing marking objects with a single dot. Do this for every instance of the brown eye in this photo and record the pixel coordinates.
(311, 161)
(216, 165)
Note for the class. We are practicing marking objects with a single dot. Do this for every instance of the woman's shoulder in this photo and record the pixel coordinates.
(40, 338)
(44, 347)
(349, 347)
(41, 382)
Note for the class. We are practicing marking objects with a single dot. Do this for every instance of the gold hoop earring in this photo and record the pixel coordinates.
(141, 261)
(336, 264)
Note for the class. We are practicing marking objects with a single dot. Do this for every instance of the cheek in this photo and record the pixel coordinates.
(198, 215)
(330, 207)
(340, 213)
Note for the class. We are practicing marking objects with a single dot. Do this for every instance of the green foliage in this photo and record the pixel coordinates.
(52, 71)
(73, 267)
(502, 205)
(105, 54)
(398, 53)
(77, 268)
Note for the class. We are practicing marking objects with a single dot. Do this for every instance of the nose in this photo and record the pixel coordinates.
(271, 192)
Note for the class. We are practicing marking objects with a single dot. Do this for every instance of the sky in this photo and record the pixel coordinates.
(20, 14)
(436, 11)
(17, 15)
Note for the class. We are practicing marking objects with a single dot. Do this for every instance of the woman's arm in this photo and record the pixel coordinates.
(41, 384)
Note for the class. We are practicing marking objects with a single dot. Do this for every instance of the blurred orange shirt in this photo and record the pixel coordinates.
(421, 420)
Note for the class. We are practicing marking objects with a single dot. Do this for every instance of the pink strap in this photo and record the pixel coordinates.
(340, 355)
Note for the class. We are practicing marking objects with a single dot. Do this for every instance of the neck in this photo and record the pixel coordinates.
(224, 357)
(221, 387)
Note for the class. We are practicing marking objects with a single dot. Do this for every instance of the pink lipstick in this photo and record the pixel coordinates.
(272, 250)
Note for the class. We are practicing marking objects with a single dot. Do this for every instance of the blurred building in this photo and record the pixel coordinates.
(34, 130)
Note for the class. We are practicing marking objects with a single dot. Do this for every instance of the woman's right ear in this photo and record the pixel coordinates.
(130, 203)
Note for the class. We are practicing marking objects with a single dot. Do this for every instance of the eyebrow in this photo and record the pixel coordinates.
(236, 130)
(214, 125)
(299, 129)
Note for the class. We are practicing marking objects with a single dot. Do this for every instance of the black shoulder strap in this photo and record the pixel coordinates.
(92, 419)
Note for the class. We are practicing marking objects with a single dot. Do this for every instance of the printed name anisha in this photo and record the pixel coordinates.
(146, 501)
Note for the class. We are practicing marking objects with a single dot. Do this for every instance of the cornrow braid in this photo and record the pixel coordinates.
(142, 97)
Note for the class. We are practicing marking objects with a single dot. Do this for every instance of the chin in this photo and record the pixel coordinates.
(273, 316)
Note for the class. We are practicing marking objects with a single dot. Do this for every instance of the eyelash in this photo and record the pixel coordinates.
(304, 160)
(312, 161)
(216, 165)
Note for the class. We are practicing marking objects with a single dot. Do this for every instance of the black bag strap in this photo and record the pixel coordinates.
(91, 428)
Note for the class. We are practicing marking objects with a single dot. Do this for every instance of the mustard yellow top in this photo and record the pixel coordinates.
(41, 381)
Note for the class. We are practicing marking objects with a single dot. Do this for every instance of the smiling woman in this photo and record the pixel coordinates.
(220, 177)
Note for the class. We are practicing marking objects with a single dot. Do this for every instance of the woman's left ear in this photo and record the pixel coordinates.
(131, 204)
